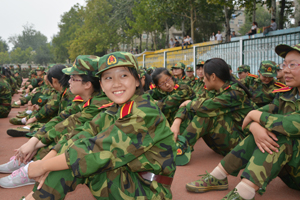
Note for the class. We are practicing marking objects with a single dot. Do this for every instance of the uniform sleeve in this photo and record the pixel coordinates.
(226, 102)
(117, 145)
(50, 108)
(288, 125)
(170, 104)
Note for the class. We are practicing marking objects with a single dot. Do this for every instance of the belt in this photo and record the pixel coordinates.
(158, 178)
(5, 104)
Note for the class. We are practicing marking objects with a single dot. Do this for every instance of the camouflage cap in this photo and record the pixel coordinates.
(283, 49)
(40, 68)
(150, 70)
(141, 71)
(32, 72)
(183, 151)
(116, 59)
(83, 65)
(200, 62)
(268, 68)
(278, 67)
(189, 68)
(243, 68)
(178, 65)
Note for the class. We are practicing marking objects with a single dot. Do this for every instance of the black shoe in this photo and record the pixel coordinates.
(17, 132)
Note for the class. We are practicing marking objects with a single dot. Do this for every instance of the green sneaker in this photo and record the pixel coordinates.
(16, 121)
(22, 198)
(234, 195)
(14, 105)
(22, 115)
(207, 183)
(17, 132)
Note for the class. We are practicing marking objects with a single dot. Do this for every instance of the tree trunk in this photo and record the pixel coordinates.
(182, 28)
(140, 44)
(167, 35)
(227, 24)
(273, 9)
(254, 11)
(281, 21)
(192, 21)
(147, 42)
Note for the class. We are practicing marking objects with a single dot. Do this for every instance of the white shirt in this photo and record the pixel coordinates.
(219, 37)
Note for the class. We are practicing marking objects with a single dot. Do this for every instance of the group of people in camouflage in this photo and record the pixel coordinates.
(124, 137)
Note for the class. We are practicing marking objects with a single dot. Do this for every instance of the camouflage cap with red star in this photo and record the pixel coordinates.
(268, 68)
(117, 59)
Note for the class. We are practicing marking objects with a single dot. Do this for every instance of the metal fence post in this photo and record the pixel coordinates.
(165, 59)
(144, 60)
(241, 52)
(194, 59)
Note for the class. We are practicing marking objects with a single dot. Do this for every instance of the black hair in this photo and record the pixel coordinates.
(39, 79)
(136, 76)
(148, 82)
(220, 68)
(93, 80)
(255, 23)
(157, 74)
(198, 66)
(273, 19)
(56, 72)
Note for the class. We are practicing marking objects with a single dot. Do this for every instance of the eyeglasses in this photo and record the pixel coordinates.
(290, 66)
(74, 80)
(165, 83)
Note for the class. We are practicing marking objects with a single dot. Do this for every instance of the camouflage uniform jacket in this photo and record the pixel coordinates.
(5, 98)
(169, 102)
(122, 141)
(261, 93)
(198, 88)
(72, 117)
(55, 105)
(19, 80)
(189, 81)
(229, 100)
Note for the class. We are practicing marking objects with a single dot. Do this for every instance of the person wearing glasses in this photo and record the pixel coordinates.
(272, 148)
(216, 115)
(261, 86)
(169, 93)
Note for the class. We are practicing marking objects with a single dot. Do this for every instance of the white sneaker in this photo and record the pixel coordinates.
(18, 178)
(10, 166)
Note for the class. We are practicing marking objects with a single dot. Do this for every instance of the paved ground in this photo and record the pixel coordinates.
(202, 159)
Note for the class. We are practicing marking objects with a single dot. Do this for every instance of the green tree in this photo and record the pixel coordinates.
(21, 56)
(43, 55)
(3, 45)
(69, 23)
(96, 35)
(4, 57)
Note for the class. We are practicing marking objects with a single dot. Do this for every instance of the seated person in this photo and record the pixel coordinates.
(272, 27)
(253, 29)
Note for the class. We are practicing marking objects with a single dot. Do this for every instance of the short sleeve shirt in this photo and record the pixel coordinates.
(219, 36)
(274, 26)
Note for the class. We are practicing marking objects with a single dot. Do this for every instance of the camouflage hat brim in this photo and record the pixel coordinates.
(282, 50)
(72, 71)
(183, 155)
(269, 74)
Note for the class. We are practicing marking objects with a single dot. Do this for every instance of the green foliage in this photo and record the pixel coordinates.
(3, 45)
(43, 55)
(70, 22)
(4, 57)
(21, 56)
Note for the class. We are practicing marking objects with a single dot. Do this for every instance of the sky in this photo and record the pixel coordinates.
(45, 15)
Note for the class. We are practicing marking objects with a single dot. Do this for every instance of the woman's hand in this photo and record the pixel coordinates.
(264, 139)
(175, 128)
(36, 170)
(41, 180)
(253, 115)
(31, 120)
(25, 153)
(184, 103)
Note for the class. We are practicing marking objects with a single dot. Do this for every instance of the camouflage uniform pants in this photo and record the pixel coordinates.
(219, 132)
(115, 184)
(4, 111)
(261, 168)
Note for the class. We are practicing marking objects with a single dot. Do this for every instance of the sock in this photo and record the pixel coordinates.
(26, 127)
(245, 190)
(28, 112)
(24, 120)
(26, 167)
(218, 173)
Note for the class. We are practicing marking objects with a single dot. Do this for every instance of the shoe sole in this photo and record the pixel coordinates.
(16, 186)
(196, 189)
(15, 133)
